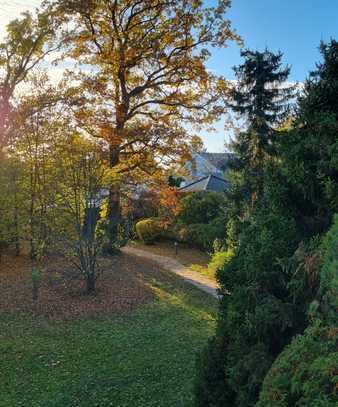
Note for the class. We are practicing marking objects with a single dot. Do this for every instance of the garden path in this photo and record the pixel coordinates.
(176, 267)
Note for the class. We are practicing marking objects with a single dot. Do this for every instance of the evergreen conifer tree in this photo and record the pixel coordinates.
(262, 98)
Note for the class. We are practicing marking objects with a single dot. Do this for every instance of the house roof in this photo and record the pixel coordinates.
(208, 183)
(218, 160)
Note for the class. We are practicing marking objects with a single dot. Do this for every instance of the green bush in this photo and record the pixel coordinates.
(258, 318)
(201, 221)
(200, 235)
(329, 275)
(275, 293)
(201, 208)
(148, 230)
(219, 260)
(305, 373)
(210, 382)
(219, 245)
(203, 235)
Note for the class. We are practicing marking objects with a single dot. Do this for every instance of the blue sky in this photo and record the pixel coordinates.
(294, 27)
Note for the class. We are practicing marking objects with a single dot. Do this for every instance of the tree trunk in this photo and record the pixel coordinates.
(35, 291)
(113, 201)
(4, 109)
(90, 283)
(92, 215)
(16, 223)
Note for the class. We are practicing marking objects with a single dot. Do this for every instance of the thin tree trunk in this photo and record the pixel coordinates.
(16, 226)
(16, 219)
(114, 215)
(91, 284)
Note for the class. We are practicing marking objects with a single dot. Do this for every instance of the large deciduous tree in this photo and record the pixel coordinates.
(144, 76)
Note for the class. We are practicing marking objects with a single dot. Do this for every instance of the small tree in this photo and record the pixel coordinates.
(81, 176)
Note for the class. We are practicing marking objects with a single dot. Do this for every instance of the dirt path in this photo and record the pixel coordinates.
(176, 267)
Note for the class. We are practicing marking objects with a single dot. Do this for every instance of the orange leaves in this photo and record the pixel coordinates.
(109, 133)
(169, 202)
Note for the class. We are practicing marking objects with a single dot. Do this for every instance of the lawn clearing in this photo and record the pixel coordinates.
(191, 257)
(186, 255)
(142, 355)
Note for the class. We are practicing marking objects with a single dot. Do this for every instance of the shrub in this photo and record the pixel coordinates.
(203, 235)
(148, 230)
(210, 381)
(201, 220)
(219, 245)
(219, 260)
(305, 373)
(259, 317)
(329, 274)
(200, 235)
(201, 207)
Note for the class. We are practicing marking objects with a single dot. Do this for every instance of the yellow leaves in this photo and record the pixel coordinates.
(113, 175)
(196, 143)
(223, 86)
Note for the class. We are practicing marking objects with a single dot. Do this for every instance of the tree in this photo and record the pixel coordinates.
(80, 179)
(11, 200)
(305, 373)
(309, 149)
(147, 77)
(262, 98)
(27, 43)
(273, 279)
(35, 131)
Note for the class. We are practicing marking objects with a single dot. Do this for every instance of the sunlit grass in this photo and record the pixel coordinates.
(144, 358)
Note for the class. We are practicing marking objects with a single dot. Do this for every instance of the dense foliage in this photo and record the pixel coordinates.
(273, 279)
(147, 77)
(201, 219)
(130, 102)
(201, 207)
(305, 374)
(148, 230)
(262, 99)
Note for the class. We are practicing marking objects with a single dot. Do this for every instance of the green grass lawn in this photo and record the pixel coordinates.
(142, 358)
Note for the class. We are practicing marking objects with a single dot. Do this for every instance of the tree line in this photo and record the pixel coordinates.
(276, 339)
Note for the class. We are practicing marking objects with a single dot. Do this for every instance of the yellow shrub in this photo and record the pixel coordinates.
(148, 230)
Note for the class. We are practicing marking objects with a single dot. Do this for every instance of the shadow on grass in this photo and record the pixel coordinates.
(144, 358)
